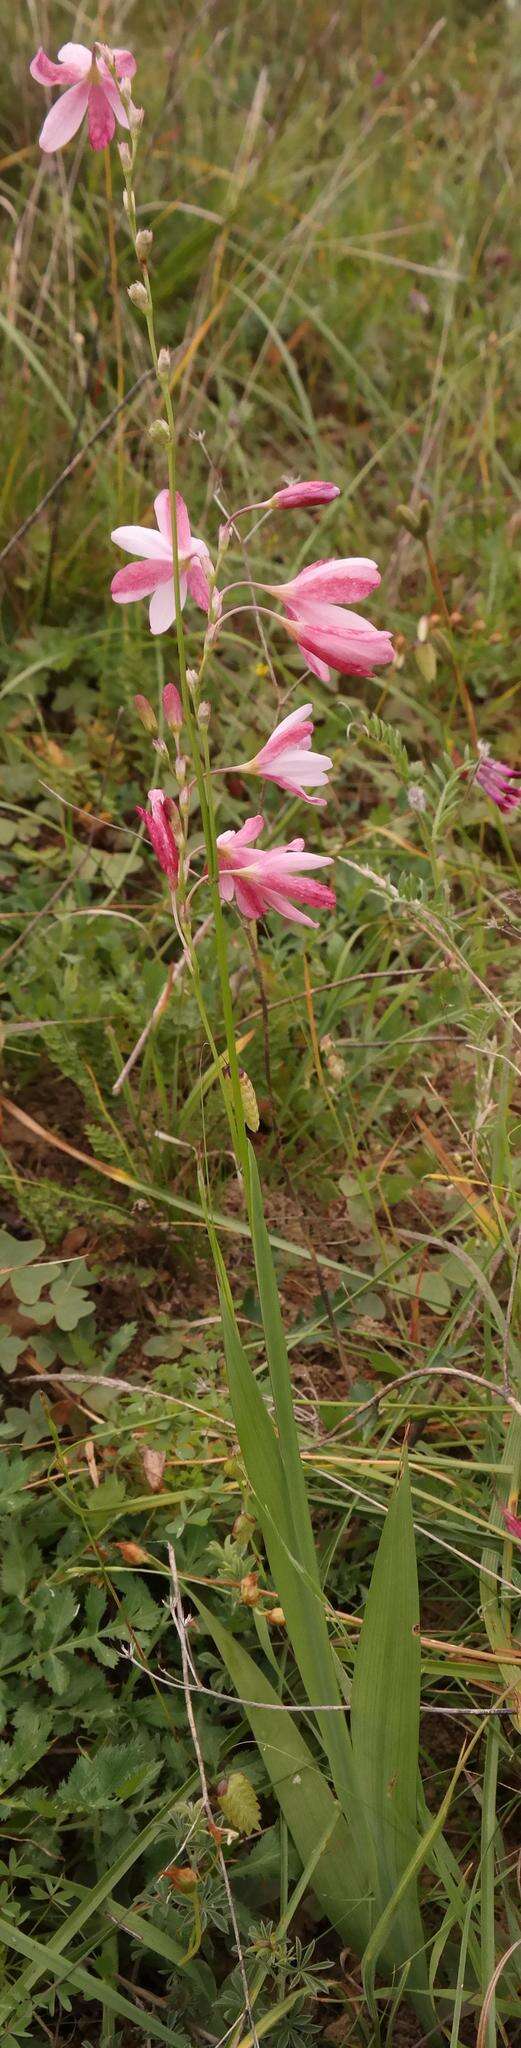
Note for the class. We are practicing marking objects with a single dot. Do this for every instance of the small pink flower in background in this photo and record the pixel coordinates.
(499, 781)
(288, 758)
(153, 575)
(512, 1523)
(172, 707)
(329, 636)
(92, 90)
(306, 494)
(158, 821)
(275, 879)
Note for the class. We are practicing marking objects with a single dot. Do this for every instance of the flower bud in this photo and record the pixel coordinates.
(172, 707)
(180, 770)
(163, 362)
(144, 240)
(416, 797)
(316, 493)
(216, 605)
(136, 116)
(160, 746)
(139, 296)
(225, 534)
(159, 431)
(146, 713)
(125, 157)
(184, 799)
(192, 678)
(204, 713)
(126, 202)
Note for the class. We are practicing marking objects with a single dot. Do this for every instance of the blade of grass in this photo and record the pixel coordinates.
(62, 1970)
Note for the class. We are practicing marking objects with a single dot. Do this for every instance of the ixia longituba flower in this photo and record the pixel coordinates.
(325, 632)
(92, 91)
(159, 823)
(288, 758)
(499, 781)
(153, 574)
(277, 878)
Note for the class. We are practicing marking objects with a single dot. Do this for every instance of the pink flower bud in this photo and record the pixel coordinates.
(160, 822)
(306, 494)
(172, 707)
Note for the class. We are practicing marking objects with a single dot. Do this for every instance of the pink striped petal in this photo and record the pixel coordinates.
(64, 119)
(102, 119)
(198, 584)
(47, 73)
(335, 582)
(138, 579)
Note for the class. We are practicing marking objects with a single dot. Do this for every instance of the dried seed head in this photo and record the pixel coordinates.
(159, 431)
(139, 296)
(144, 240)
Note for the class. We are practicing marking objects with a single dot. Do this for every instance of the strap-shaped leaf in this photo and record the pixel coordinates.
(385, 1720)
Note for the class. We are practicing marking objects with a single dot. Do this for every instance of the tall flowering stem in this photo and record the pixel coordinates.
(200, 761)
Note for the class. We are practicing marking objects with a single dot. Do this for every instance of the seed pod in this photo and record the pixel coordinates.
(239, 1803)
(249, 1101)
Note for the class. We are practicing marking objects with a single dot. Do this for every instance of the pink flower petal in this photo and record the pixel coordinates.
(162, 605)
(125, 63)
(337, 582)
(112, 94)
(64, 119)
(78, 55)
(47, 73)
(198, 585)
(142, 541)
(162, 512)
(102, 120)
(184, 537)
(138, 579)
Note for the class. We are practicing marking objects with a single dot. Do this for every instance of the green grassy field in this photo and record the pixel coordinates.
(334, 201)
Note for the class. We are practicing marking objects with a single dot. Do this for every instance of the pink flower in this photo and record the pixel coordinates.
(275, 879)
(158, 821)
(288, 758)
(327, 634)
(512, 1523)
(306, 494)
(92, 90)
(153, 575)
(499, 781)
(335, 582)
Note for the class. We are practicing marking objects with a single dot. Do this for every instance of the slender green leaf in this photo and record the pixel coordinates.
(385, 1711)
(306, 1800)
